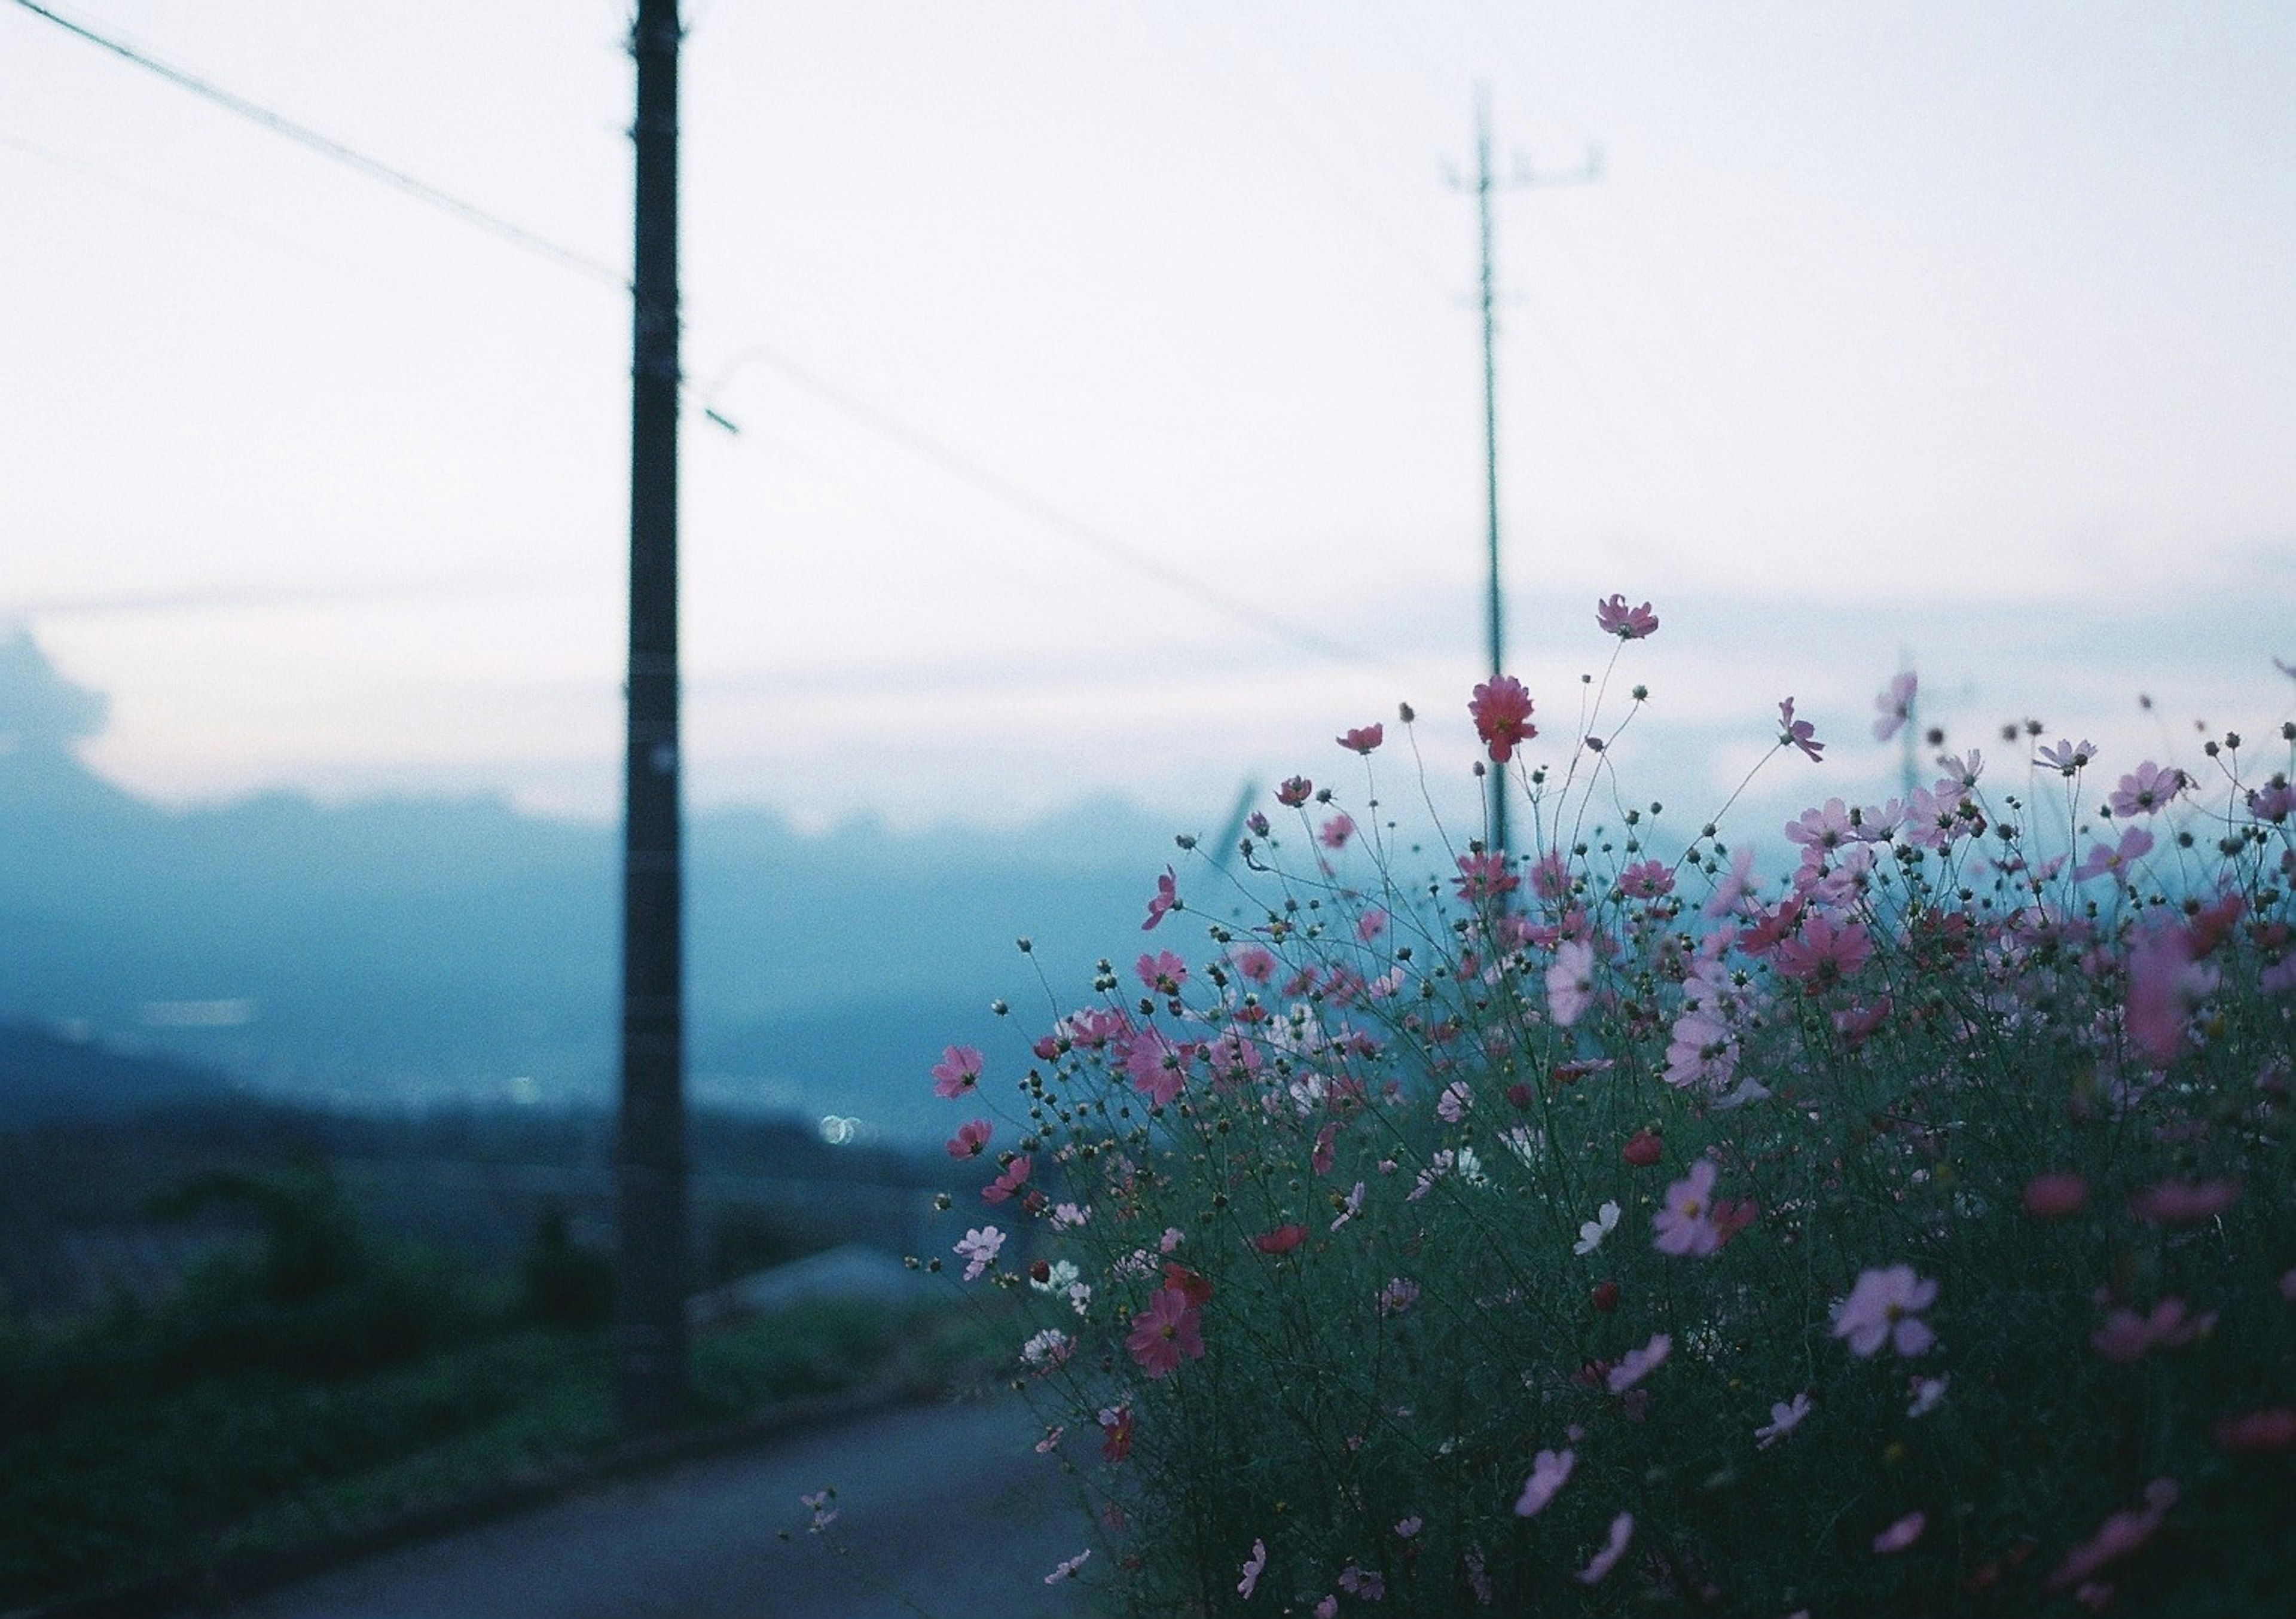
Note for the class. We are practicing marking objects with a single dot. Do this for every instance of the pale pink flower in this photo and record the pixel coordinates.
(1902, 1533)
(1549, 1471)
(1155, 1066)
(2146, 790)
(2185, 1202)
(2134, 844)
(1371, 924)
(1885, 1308)
(1457, 1098)
(2288, 1284)
(1799, 733)
(2165, 983)
(1637, 1364)
(1647, 879)
(1622, 1530)
(1484, 877)
(1823, 828)
(1895, 705)
(1254, 1564)
(1824, 951)
(2118, 1535)
(1328, 1608)
(2127, 1335)
(1351, 1206)
(1409, 1527)
(2067, 758)
(1360, 1581)
(1501, 709)
(1163, 972)
(1929, 1393)
(2055, 1195)
(1397, 1297)
(1615, 617)
(1051, 1442)
(818, 1504)
(957, 1071)
(1684, 1220)
(1570, 982)
(1785, 1416)
(1731, 891)
(1336, 831)
(979, 1249)
(1166, 898)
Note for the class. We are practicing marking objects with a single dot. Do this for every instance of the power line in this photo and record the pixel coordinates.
(335, 151)
(956, 463)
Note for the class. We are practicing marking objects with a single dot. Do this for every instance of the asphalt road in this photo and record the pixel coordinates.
(943, 1511)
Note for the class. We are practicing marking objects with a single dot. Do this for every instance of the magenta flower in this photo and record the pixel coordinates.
(2264, 1432)
(1785, 1416)
(1253, 962)
(2184, 1202)
(1294, 792)
(1168, 1331)
(1799, 733)
(2165, 982)
(1648, 879)
(971, 1138)
(1485, 876)
(1162, 972)
(957, 1071)
(1622, 1530)
(1885, 1307)
(1902, 1533)
(1615, 617)
(1637, 1364)
(2146, 790)
(1684, 1221)
(1501, 710)
(2055, 1195)
(1363, 739)
(2127, 1335)
(1154, 1065)
(1166, 898)
(1895, 705)
(1824, 951)
(1335, 832)
(1253, 1566)
(1549, 1471)
(1006, 1184)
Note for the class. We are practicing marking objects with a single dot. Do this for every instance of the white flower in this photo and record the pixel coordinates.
(1049, 1347)
(1350, 1206)
(1059, 1275)
(1471, 1167)
(1525, 1143)
(1068, 1216)
(979, 1250)
(1591, 1232)
(1784, 1418)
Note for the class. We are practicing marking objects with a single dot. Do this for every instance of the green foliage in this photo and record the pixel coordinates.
(562, 1283)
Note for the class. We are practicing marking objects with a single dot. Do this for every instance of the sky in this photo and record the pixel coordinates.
(1961, 334)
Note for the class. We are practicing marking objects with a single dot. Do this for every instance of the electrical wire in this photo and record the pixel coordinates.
(918, 443)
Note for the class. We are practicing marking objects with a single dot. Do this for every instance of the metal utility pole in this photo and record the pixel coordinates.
(650, 1347)
(1495, 606)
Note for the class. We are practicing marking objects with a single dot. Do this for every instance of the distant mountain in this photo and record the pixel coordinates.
(413, 951)
(47, 1079)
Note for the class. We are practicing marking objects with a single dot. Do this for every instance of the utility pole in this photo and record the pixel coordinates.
(1495, 605)
(650, 1346)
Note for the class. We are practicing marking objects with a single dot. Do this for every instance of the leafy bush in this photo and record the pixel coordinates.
(1600, 1225)
(562, 1283)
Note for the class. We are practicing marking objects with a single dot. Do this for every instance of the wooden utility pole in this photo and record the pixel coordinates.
(1495, 610)
(650, 1346)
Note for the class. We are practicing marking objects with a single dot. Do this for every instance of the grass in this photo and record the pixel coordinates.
(117, 1487)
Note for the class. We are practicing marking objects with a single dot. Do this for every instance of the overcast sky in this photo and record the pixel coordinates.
(1961, 331)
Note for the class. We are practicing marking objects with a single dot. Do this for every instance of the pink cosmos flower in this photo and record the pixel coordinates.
(2055, 1195)
(1350, 1206)
(1485, 876)
(1642, 1148)
(2258, 1433)
(1361, 1582)
(1824, 951)
(1010, 1182)
(2067, 758)
(1328, 1608)
(1570, 982)
(2118, 1535)
(1371, 924)
(1162, 972)
(2134, 844)
(1731, 891)
(1335, 832)
(1501, 710)
(1902, 1533)
(1168, 1331)
(1785, 1416)
(1648, 879)
(1283, 1239)
(2184, 1202)
(1458, 1097)
(1549, 1471)
(2146, 790)
(1116, 1422)
(1895, 705)
(1799, 733)
(1166, 898)
(1637, 1364)
(1253, 1566)
(979, 1249)
(1622, 1530)
(2127, 1335)
(1885, 1308)
(1684, 1220)
(1929, 1393)
(957, 1071)
(1155, 1066)
(1397, 1297)
(1363, 739)
(1253, 962)
(1615, 617)
(970, 1138)
(1294, 792)
(2165, 982)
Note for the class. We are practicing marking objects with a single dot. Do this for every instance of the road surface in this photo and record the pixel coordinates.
(945, 1510)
